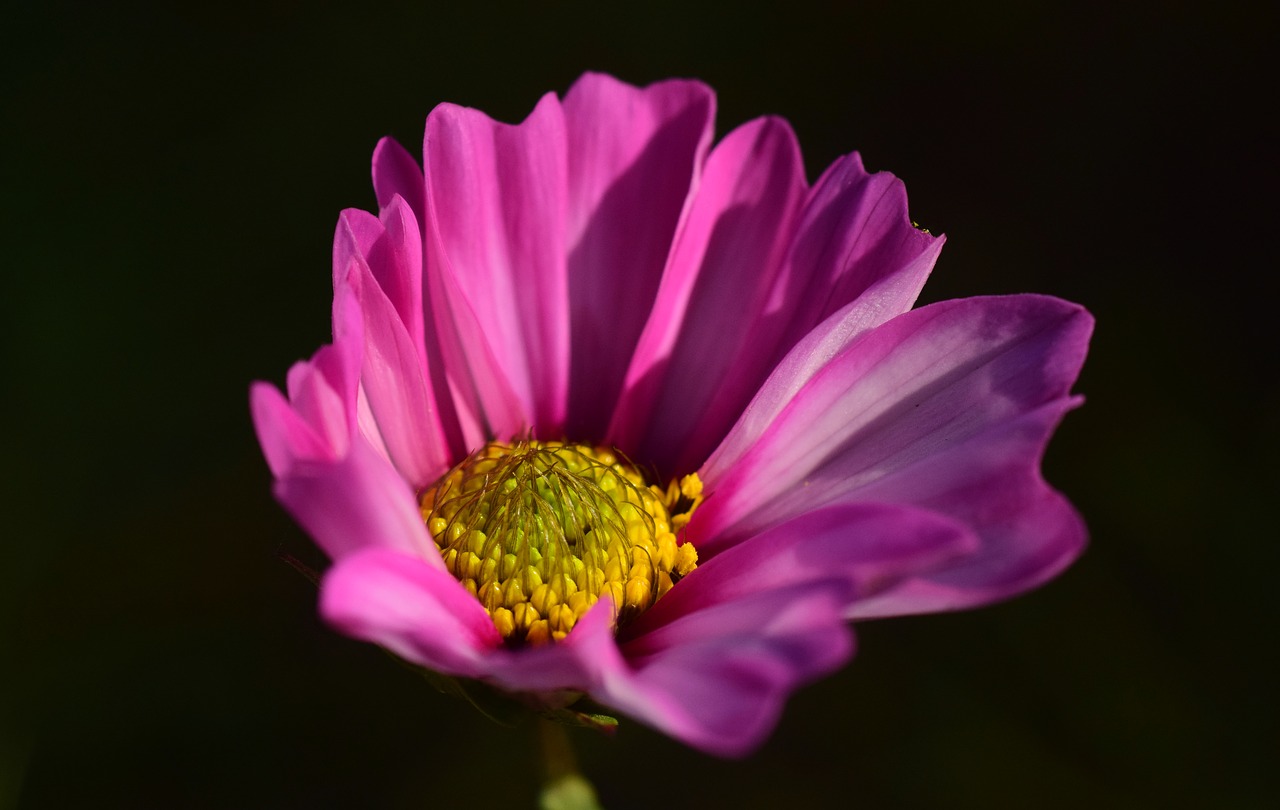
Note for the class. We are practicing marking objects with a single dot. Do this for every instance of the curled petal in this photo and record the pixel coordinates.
(416, 610)
(717, 678)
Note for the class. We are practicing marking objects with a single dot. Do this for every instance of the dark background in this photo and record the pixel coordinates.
(170, 183)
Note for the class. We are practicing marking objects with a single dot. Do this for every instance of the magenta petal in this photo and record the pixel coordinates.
(896, 395)
(417, 611)
(397, 390)
(855, 241)
(496, 197)
(695, 365)
(284, 435)
(634, 155)
(355, 502)
(572, 663)
(990, 482)
(872, 546)
(885, 298)
(396, 173)
(717, 678)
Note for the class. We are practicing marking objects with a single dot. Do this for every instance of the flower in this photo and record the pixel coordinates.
(674, 390)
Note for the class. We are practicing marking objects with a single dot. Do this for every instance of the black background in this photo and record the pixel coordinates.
(170, 183)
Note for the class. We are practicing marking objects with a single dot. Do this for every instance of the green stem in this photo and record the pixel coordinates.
(563, 788)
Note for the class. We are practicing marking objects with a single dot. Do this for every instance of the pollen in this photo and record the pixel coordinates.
(541, 531)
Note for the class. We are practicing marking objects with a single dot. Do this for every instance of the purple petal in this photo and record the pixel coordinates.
(692, 371)
(991, 482)
(870, 545)
(855, 242)
(897, 395)
(417, 611)
(873, 307)
(496, 197)
(634, 154)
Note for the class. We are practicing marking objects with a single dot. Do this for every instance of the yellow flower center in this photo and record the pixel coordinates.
(540, 531)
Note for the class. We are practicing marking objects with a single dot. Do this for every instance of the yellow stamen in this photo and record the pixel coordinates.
(541, 531)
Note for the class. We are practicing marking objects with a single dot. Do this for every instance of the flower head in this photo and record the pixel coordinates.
(612, 412)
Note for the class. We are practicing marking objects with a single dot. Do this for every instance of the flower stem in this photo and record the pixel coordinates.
(563, 788)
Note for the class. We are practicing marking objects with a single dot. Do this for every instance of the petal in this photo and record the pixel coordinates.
(870, 545)
(695, 367)
(570, 664)
(496, 198)
(897, 395)
(283, 434)
(991, 482)
(396, 173)
(855, 254)
(855, 241)
(880, 301)
(398, 396)
(416, 610)
(717, 678)
(634, 155)
(356, 502)
(316, 422)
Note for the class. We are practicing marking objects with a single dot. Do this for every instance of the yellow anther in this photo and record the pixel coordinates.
(512, 593)
(543, 598)
(538, 633)
(580, 602)
(490, 596)
(541, 531)
(638, 595)
(686, 559)
(664, 584)
(468, 565)
(504, 621)
(524, 615)
(488, 570)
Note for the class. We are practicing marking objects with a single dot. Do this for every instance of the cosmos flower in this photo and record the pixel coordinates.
(611, 412)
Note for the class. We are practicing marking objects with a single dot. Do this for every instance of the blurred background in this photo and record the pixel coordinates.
(170, 182)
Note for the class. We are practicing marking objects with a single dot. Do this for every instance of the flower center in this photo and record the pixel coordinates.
(540, 531)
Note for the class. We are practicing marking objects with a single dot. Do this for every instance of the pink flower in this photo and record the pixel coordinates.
(599, 274)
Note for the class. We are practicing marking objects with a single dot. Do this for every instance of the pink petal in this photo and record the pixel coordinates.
(355, 502)
(284, 435)
(398, 395)
(496, 197)
(315, 423)
(634, 156)
(570, 664)
(396, 173)
(718, 678)
(693, 371)
(417, 611)
(872, 546)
